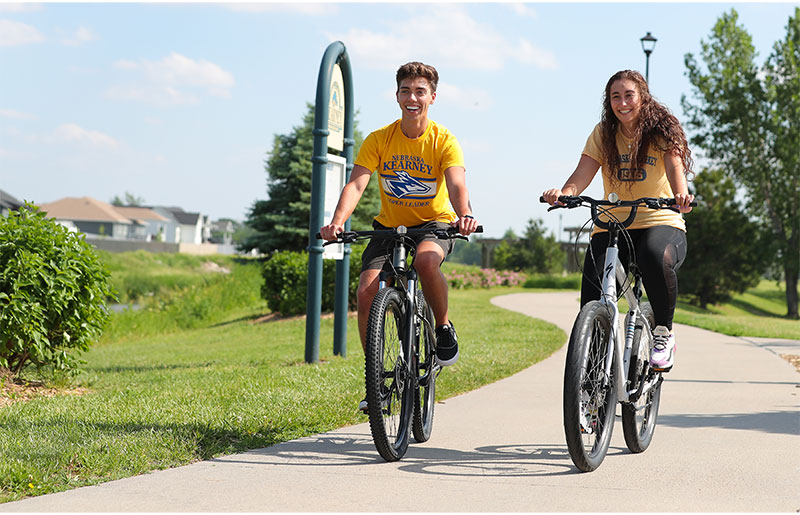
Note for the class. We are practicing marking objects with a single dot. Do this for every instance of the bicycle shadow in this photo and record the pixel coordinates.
(353, 450)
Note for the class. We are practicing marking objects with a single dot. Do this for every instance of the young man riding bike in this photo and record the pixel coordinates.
(420, 166)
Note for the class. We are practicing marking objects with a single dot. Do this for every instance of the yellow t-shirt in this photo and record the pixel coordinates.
(411, 173)
(649, 181)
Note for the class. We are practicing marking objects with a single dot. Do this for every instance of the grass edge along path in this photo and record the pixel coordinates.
(168, 400)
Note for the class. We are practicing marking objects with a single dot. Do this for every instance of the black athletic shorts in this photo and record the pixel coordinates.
(378, 253)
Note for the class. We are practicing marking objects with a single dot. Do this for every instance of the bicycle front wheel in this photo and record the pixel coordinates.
(590, 396)
(425, 394)
(388, 382)
(639, 418)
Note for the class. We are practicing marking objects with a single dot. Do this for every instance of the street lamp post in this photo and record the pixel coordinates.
(648, 44)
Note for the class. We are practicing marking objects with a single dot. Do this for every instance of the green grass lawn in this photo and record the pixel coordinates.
(760, 311)
(174, 395)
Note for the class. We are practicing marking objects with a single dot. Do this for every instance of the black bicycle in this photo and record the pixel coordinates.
(400, 361)
(604, 366)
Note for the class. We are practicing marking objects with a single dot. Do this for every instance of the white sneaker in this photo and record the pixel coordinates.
(362, 406)
(663, 355)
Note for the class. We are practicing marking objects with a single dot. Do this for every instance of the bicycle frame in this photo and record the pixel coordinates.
(620, 346)
(403, 271)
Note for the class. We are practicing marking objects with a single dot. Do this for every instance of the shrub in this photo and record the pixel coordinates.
(286, 281)
(53, 290)
(460, 278)
(555, 282)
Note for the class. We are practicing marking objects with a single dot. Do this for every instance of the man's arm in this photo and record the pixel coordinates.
(456, 180)
(348, 200)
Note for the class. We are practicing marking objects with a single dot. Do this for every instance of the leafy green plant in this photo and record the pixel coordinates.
(53, 290)
(286, 281)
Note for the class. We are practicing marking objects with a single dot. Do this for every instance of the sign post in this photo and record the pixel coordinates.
(333, 125)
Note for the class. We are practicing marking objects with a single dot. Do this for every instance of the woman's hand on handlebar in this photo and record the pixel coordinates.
(682, 201)
(331, 231)
(466, 225)
(551, 196)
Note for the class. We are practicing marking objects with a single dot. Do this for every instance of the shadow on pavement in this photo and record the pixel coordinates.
(528, 460)
(776, 422)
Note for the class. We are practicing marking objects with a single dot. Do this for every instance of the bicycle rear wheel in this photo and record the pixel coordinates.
(425, 393)
(590, 396)
(388, 384)
(639, 418)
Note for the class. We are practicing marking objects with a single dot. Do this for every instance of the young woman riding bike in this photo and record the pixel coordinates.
(643, 152)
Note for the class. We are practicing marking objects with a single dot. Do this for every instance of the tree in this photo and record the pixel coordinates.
(281, 222)
(722, 239)
(533, 252)
(746, 119)
(130, 200)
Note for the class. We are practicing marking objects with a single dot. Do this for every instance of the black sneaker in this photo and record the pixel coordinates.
(446, 345)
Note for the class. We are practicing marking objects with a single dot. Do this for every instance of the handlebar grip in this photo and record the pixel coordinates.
(479, 229)
(318, 236)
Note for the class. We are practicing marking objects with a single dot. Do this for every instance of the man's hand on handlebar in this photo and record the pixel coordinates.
(331, 231)
(466, 225)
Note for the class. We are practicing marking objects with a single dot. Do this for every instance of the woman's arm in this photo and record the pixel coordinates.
(580, 179)
(677, 180)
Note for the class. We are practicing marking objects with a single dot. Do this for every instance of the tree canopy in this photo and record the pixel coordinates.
(532, 252)
(723, 238)
(747, 119)
(281, 221)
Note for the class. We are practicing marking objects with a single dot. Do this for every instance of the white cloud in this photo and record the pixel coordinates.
(473, 99)
(522, 9)
(173, 80)
(71, 133)
(10, 113)
(14, 33)
(19, 7)
(303, 8)
(81, 36)
(447, 35)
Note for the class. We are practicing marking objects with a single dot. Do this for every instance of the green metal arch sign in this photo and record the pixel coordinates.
(334, 60)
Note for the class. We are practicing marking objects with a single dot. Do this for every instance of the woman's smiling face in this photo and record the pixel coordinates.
(625, 102)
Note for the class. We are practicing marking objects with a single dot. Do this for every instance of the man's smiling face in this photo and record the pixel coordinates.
(414, 97)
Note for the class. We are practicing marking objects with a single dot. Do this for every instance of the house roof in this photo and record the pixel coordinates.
(84, 209)
(140, 214)
(180, 216)
(9, 202)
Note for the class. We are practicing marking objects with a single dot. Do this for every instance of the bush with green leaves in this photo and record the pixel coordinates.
(53, 291)
(286, 281)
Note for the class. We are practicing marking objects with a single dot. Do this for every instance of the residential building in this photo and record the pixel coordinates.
(147, 224)
(90, 216)
(8, 203)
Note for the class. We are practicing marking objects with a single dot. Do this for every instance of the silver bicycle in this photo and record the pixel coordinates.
(604, 364)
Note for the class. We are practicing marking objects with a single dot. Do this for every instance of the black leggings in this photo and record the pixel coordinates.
(660, 251)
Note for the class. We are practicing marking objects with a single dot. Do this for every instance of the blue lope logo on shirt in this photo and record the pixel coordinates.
(404, 185)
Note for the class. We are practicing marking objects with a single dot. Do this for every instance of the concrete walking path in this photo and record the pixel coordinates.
(727, 439)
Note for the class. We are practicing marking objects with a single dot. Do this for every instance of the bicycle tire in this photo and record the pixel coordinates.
(590, 398)
(639, 418)
(425, 393)
(388, 385)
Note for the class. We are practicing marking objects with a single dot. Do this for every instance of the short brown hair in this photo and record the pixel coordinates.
(416, 69)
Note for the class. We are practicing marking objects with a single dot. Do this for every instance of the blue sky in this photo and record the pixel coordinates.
(179, 103)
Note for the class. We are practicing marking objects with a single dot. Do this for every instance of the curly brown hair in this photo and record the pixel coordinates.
(657, 126)
(416, 69)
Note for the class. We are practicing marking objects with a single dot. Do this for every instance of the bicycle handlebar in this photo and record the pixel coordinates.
(573, 201)
(449, 233)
